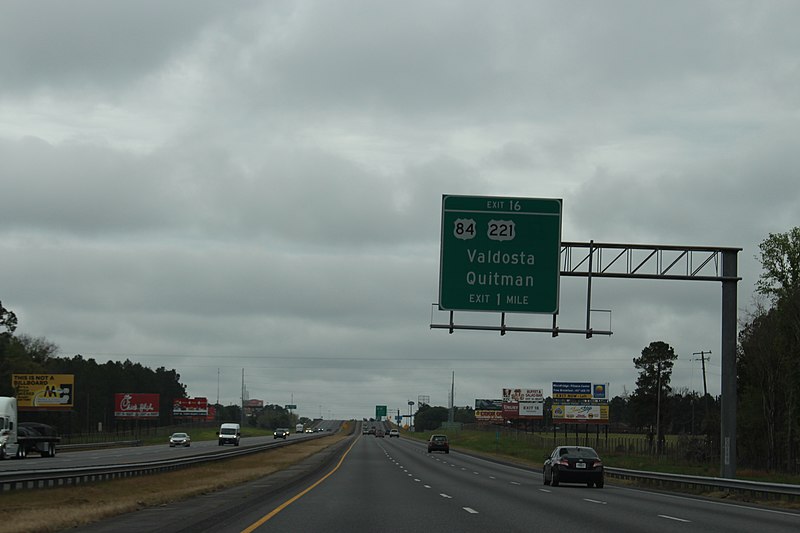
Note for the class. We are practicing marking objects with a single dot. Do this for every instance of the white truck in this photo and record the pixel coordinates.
(299, 428)
(18, 439)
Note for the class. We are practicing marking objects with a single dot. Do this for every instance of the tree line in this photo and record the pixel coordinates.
(95, 383)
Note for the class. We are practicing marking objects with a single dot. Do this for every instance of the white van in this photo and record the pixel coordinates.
(229, 434)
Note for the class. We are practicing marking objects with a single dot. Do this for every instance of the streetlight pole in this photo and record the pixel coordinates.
(410, 404)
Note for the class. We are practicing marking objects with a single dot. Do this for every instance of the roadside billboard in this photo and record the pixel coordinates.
(510, 409)
(44, 391)
(190, 407)
(588, 414)
(582, 390)
(513, 410)
(136, 405)
(490, 405)
(523, 395)
(488, 415)
(531, 409)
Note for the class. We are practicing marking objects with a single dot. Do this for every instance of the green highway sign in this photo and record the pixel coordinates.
(380, 410)
(500, 254)
(291, 406)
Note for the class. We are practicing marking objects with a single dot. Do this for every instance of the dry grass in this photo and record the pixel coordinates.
(50, 510)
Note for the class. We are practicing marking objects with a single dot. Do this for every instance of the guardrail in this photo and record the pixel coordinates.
(39, 479)
(757, 489)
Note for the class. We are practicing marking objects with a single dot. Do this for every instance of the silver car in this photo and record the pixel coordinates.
(180, 439)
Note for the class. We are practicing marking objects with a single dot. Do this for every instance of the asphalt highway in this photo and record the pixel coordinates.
(393, 485)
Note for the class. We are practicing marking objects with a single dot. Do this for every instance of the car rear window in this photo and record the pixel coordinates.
(578, 453)
(439, 438)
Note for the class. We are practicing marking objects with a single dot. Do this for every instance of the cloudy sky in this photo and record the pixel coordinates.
(222, 187)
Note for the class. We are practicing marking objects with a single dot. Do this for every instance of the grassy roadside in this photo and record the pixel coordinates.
(66, 507)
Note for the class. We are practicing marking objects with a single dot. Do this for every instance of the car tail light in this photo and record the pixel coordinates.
(563, 462)
(597, 463)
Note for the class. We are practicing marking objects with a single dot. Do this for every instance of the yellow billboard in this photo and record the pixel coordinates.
(44, 391)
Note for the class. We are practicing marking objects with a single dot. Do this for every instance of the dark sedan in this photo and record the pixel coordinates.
(438, 443)
(280, 433)
(573, 464)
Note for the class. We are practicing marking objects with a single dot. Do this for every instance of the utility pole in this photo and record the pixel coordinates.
(658, 412)
(244, 394)
(703, 360)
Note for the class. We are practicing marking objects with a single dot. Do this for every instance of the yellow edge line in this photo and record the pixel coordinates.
(296, 497)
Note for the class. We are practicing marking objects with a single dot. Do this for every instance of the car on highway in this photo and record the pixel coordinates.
(394, 433)
(380, 433)
(180, 439)
(281, 433)
(372, 431)
(438, 443)
(365, 431)
(573, 464)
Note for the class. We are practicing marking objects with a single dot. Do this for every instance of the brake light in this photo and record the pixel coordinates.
(597, 463)
(563, 462)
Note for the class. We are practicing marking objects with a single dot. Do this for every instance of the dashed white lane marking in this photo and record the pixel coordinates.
(470, 510)
(673, 518)
(443, 495)
(477, 474)
(515, 483)
(417, 480)
(594, 501)
(426, 486)
(492, 477)
(545, 490)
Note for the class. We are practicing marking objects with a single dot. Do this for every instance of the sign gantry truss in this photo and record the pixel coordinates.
(644, 261)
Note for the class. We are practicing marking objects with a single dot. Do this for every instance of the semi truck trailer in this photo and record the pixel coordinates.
(18, 439)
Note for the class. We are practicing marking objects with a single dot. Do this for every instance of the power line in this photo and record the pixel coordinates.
(333, 357)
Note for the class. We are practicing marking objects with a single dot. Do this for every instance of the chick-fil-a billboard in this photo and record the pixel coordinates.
(136, 405)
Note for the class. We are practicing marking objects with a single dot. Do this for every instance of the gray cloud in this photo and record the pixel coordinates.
(216, 188)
